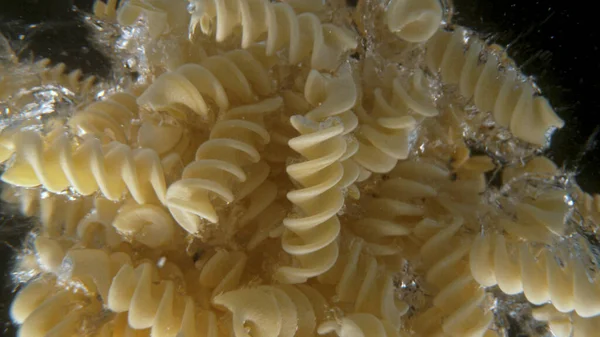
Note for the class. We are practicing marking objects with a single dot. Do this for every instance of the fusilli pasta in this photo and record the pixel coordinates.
(388, 121)
(458, 303)
(87, 167)
(230, 158)
(542, 275)
(512, 101)
(364, 284)
(236, 75)
(414, 20)
(311, 235)
(304, 35)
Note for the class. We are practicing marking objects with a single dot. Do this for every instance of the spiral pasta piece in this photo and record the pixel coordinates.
(162, 16)
(540, 215)
(149, 302)
(230, 158)
(414, 20)
(512, 101)
(538, 273)
(565, 325)
(333, 97)
(44, 309)
(311, 235)
(235, 75)
(105, 9)
(58, 214)
(360, 325)
(459, 300)
(87, 168)
(110, 118)
(384, 135)
(150, 225)
(398, 205)
(278, 26)
(273, 311)
(359, 280)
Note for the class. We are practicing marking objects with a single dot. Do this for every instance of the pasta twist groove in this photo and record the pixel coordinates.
(110, 117)
(414, 20)
(235, 75)
(459, 300)
(360, 280)
(274, 310)
(87, 167)
(398, 205)
(228, 166)
(303, 35)
(513, 102)
(359, 325)
(565, 325)
(41, 305)
(537, 272)
(386, 125)
(311, 236)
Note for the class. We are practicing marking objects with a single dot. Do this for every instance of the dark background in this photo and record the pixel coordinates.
(556, 41)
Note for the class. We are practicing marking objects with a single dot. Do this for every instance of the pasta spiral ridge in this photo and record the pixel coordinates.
(398, 205)
(304, 36)
(513, 102)
(43, 309)
(384, 135)
(58, 214)
(87, 167)
(151, 302)
(459, 300)
(235, 75)
(273, 310)
(228, 166)
(566, 325)
(40, 306)
(163, 16)
(543, 276)
(110, 117)
(359, 325)
(311, 235)
(414, 20)
(359, 279)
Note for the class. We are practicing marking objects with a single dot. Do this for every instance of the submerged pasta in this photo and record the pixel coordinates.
(273, 173)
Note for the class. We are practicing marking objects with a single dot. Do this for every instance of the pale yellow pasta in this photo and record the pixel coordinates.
(540, 216)
(512, 101)
(360, 325)
(105, 10)
(567, 325)
(87, 168)
(234, 76)
(58, 214)
(389, 120)
(458, 307)
(150, 225)
(272, 311)
(359, 281)
(414, 20)
(276, 25)
(518, 267)
(399, 204)
(43, 310)
(310, 236)
(230, 158)
(162, 16)
(109, 118)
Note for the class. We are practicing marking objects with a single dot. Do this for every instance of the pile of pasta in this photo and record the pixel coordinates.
(275, 171)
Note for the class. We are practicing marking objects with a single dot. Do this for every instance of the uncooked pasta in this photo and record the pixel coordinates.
(291, 168)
